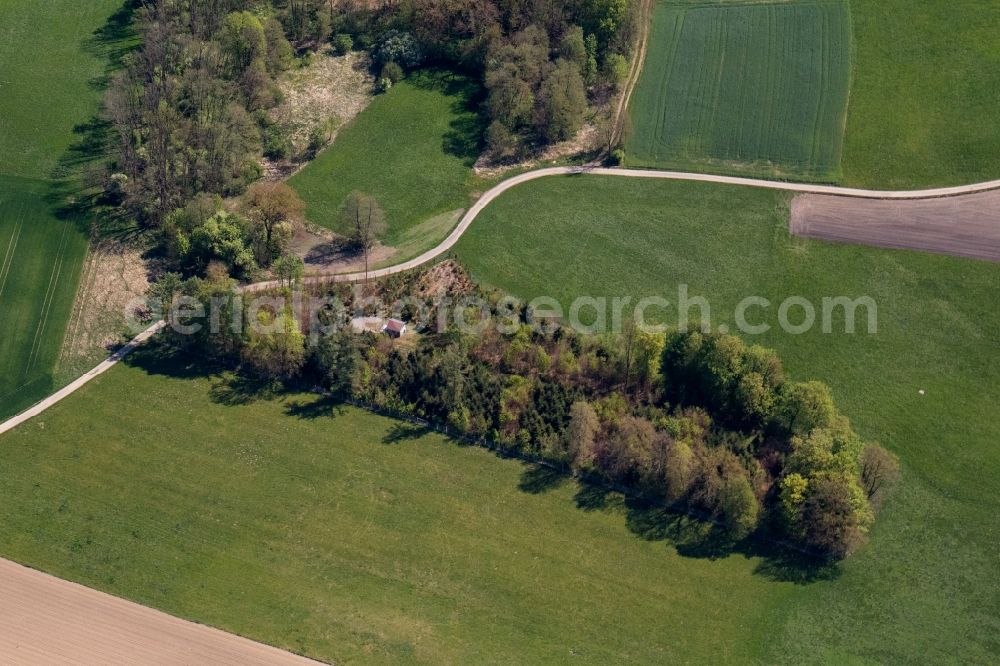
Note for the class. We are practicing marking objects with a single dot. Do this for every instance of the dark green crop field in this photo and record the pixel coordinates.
(53, 60)
(744, 87)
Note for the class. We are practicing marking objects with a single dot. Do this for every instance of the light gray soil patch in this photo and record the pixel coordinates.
(963, 226)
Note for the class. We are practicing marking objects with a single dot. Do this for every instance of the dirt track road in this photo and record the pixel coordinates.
(46, 620)
(914, 198)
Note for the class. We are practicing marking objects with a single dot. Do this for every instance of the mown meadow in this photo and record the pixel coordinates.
(922, 588)
(412, 149)
(350, 537)
(923, 94)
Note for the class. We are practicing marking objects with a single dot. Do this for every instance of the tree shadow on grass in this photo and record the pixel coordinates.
(323, 406)
(235, 389)
(158, 357)
(698, 537)
(537, 479)
(690, 535)
(405, 432)
(113, 41)
(464, 138)
(591, 497)
(465, 135)
(76, 193)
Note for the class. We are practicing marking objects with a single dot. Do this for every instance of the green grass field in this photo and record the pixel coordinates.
(53, 57)
(318, 533)
(923, 589)
(924, 94)
(758, 87)
(356, 539)
(412, 149)
(41, 256)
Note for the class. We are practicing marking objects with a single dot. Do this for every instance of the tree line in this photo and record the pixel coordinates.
(189, 107)
(541, 63)
(702, 422)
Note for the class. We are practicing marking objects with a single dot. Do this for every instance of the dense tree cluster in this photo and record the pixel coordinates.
(536, 60)
(253, 235)
(189, 110)
(699, 421)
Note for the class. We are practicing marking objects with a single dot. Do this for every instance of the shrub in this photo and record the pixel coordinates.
(392, 71)
(616, 69)
(342, 44)
(617, 157)
(276, 144)
(398, 47)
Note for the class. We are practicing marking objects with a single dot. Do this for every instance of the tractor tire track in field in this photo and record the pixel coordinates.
(50, 294)
(8, 259)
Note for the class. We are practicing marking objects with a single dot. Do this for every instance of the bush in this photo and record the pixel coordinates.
(276, 144)
(617, 157)
(398, 47)
(383, 85)
(616, 69)
(392, 71)
(342, 44)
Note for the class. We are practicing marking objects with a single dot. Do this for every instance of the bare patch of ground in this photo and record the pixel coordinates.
(328, 92)
(964, 226)
(113, 276)
(587, 141)
(447, 277)
(51, 621)
(326, 253)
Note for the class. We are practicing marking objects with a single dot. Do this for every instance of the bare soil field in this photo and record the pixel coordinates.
(47, 620)
(963, 226)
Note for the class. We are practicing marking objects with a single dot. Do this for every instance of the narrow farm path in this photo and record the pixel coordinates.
(635, 69)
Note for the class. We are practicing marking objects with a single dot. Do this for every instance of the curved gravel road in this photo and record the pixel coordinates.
(491, 194)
